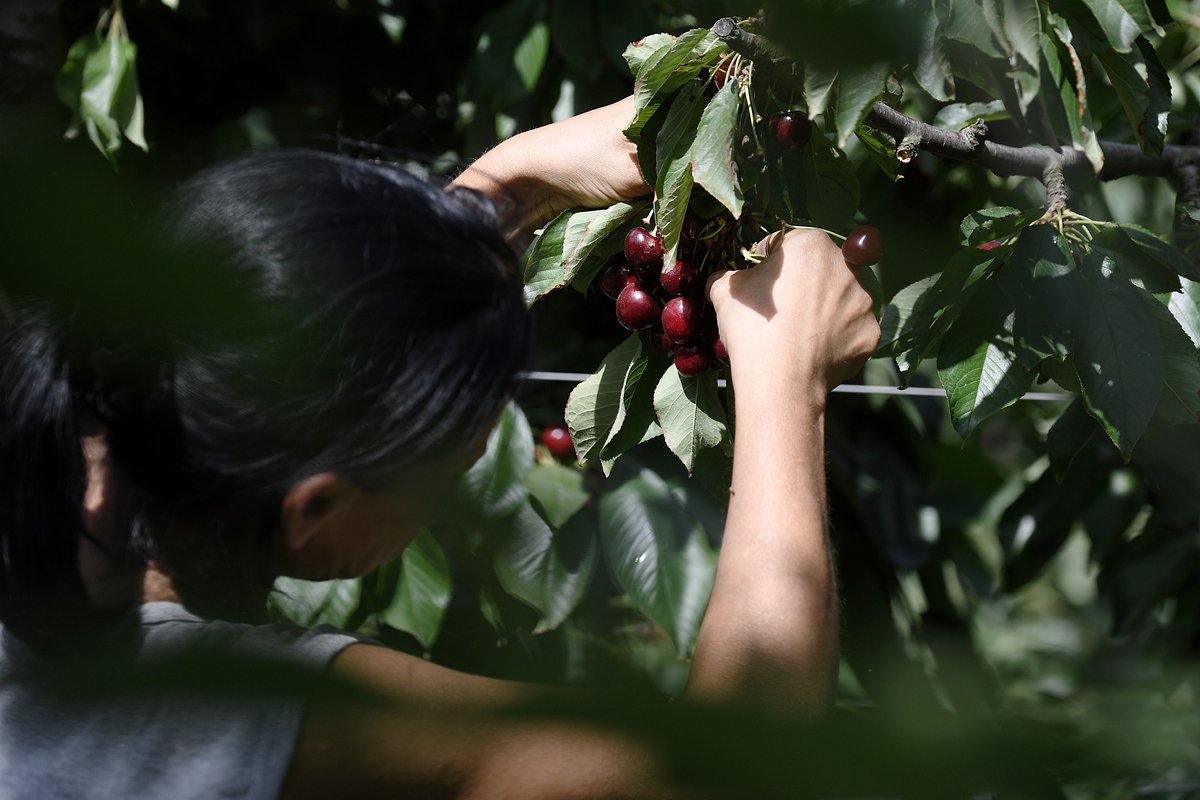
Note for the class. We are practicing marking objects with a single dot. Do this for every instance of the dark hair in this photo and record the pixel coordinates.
(309, 313)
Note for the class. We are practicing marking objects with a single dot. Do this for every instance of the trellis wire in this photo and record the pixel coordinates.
(846, 388)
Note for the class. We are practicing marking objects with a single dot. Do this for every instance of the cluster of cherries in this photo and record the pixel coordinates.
(665, 298)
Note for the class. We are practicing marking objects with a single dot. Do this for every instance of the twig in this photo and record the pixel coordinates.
(1056, 188)
(968, 145)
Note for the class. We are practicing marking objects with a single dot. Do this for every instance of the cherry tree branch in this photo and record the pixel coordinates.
(969, 145)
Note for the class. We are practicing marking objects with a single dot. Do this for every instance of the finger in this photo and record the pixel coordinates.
(767, 244)
(712, 289)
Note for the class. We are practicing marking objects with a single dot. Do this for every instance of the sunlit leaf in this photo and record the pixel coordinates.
(689, 413)
(659, 553)
(494, 485)
(549, 569)
(423, 592)
(713, 165)
(595, 404)
(978, 363)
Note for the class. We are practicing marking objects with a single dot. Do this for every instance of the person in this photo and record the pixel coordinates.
(356, 335)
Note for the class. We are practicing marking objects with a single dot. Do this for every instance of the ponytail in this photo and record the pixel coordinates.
(42, 483)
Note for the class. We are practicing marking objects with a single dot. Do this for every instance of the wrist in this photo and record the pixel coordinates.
(788, 382)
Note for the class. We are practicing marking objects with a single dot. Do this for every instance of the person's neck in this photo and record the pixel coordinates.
(248, 605)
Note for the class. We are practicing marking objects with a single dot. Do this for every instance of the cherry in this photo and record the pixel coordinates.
(615, 276)
(679, 278)
(791, 129)
(691, 359)
(643, 250)
(992, 245)
(720, 354)
(863, 246)
(682, 318)
(660, 341)
(637, 308)
(721, 74)
(557, 439)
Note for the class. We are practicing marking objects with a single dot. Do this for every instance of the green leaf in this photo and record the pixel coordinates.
(858, 90)
(99, 83)
(1118, 353)
(495, 485)
(670, 206)
(1069, 436)
(713, 164)
(659, 553)
(991, 224)
(667, 69)
(1185, 307)
(957, 116)
(689, 413)
(962, 21)
(530, 55)
(636, 421)
(1163, 252)
(1140, 11)
(312, 603)
(819, 84)
(881, 150)
(915, 320)
(830, 183)
(594, 405)
(1139, 263)
(423, 592)
(1071, 117)
(978, 363)
(638, 53)
(1042, 281)
(1144, 89)
(674, 141)
(1180, 401)
(547, 569)
(933, 71)
(1118, 25)
(558, 491)
(1023, 28)
(543, 264)
(593, 236)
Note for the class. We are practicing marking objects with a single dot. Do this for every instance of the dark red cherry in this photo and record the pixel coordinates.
(680, 278)
(643, 250)
(791, 129)
(691, 359)
(863, 246)
(720, 354)
(557, 439)
(682, 318)
(637, 308)
(990, 245)
(615, 276)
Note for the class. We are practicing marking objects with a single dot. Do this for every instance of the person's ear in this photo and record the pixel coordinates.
(309, 505)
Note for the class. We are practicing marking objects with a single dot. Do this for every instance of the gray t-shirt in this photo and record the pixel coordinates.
(186, 708)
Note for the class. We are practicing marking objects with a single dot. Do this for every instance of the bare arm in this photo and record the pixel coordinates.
(795, 326)
(582, 161)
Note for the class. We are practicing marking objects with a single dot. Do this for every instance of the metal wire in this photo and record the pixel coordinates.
(846, 388)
